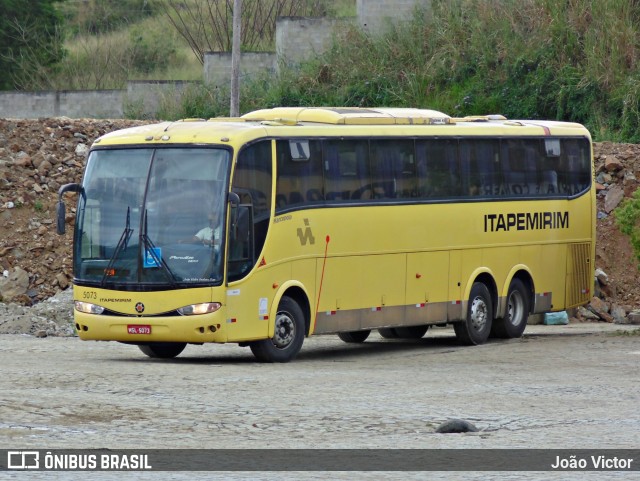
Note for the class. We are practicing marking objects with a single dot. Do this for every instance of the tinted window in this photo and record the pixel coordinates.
(480, 167)
(438, 168)
(346, 170)
(393, 169)
(299, 179)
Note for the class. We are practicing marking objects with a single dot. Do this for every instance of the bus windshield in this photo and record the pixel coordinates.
(152, 216)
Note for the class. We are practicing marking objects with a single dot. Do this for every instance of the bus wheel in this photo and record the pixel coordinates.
(515, 320)
(163, 350)
(476, 329)
(354, 336)
(288, 337)
(388, 332)
(411, 332)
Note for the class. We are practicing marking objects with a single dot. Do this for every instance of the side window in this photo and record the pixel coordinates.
(480, 167)
(520, 159)
(438, 169)
(252, 182)
(393, 169)
(346, 170)
(299, 180)
(574, 166)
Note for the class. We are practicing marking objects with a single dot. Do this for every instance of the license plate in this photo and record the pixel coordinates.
(139, 329)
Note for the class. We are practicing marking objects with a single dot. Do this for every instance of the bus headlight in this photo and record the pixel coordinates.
(88, 308)
(203, 308)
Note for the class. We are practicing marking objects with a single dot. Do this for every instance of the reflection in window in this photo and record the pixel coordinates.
(438, 170)
(393, 169)
(299, 181)
(346, 167)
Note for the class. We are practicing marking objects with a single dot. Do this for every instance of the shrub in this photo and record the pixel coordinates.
(627, 217)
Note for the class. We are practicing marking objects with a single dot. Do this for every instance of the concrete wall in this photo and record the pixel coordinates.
(297, 39)
(217, 66)
(375, 15)
(63, 103)
(145, 98)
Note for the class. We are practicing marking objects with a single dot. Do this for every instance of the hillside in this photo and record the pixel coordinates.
(37, 156)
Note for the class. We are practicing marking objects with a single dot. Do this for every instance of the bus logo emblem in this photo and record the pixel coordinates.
(307, 235)
(139, 307)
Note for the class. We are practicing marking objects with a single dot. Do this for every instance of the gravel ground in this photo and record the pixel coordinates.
(563, 387)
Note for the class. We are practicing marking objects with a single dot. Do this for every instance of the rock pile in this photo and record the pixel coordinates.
(38, 156)
(617, 290)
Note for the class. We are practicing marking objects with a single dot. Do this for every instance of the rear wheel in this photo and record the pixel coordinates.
(288, 336)
(514, 322)
(354, 336)
(388, 332)
(477, 327)
(411, 332)
(163, 350)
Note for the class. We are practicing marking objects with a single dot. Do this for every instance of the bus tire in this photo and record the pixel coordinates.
(411, 332)
(388, 332)
(514, 322)
(288, 336)
(477, 327)
(162, 350)
(354, 336)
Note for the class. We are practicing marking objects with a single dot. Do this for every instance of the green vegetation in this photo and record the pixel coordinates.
(627, 217)
(577, 60)
(29, 40)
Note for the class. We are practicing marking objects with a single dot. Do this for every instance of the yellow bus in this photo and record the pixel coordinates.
(265, 229)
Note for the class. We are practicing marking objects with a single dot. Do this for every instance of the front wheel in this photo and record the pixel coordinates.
(514, 322)
(354, 336)
(163, 350)
(477, 327)
(288, 336)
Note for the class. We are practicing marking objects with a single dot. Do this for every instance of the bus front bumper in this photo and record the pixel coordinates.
(192, 329)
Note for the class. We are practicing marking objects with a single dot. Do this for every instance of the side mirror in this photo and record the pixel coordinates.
(60, 207)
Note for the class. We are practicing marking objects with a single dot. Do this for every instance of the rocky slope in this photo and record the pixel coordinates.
(38, 156)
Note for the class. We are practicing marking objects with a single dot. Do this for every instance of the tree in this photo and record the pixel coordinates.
(30, 40)
(207, 25)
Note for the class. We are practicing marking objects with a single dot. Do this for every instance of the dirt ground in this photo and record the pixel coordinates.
(563, 387)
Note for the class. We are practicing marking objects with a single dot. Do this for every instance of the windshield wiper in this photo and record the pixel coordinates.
(122, 244)
(149, 247)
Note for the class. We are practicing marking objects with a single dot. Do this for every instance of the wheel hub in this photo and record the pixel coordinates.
(515, 309)
(479, 314)
(285, 330)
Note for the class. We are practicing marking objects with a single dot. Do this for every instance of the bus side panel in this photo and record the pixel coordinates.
(456, 303)
(554, 256)
(427, 292)
(249, 302)
(382, 281)
(340, 294)
(360, 292)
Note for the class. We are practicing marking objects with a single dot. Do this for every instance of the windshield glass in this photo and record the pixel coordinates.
(152, 216)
